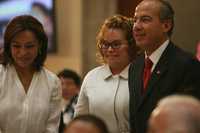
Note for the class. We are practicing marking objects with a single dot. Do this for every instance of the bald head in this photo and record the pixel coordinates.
(176, 114)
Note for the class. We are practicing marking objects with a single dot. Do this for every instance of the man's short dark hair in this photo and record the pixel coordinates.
(66, 73)
(167, 13)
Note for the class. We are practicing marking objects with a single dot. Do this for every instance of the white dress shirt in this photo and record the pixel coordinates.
(106, 96)
(37, 111)
(155, 56)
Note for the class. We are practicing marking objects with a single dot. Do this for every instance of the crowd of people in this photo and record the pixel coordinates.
(145, 83)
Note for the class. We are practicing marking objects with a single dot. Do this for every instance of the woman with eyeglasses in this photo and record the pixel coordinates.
(104, 91)
(30, 95)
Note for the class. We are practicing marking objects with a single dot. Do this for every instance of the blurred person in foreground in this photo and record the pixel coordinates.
(176, 114)
(30, 95)
(163, 69)
(198, 51)
(86, 124)
(71, 83)
(104, 91)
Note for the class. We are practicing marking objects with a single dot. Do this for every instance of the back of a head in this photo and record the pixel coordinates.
(184, 108)
(86, 124)
(178, 113)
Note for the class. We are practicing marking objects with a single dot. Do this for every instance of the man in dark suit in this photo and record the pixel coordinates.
(171, 71)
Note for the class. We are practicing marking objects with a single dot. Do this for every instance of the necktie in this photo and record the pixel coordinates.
(147, 72)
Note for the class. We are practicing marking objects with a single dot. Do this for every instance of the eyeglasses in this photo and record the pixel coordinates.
(114, 44)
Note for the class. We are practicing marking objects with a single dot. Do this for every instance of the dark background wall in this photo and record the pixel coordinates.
(187, 20)
(127, 7)
(79, 21)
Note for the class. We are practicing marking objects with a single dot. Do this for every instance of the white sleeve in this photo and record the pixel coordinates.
(82, 106)
(55, 107)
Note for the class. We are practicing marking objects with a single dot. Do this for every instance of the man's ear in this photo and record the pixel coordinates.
(167, 25)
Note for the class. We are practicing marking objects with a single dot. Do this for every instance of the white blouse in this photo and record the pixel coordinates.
(107, 97)
(37, 111)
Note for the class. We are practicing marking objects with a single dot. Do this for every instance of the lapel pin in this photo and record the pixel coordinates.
(158, 72)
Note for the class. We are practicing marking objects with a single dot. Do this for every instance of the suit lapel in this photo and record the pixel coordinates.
(160, 69)
(138, 82)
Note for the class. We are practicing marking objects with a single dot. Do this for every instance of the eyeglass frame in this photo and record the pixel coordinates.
(116, 44)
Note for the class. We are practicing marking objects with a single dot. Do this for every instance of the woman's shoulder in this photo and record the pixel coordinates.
(3, 68)
(96, 73)
(53, 83)
(49, 74)
(97, 70)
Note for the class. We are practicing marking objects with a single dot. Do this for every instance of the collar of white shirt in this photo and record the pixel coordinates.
(107, 72)
(155, 56)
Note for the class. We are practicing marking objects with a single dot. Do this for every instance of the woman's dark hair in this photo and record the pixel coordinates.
(118, 22)
(94, 120)
(23, 23)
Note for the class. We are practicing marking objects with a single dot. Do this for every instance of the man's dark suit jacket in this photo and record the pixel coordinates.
(176, 72)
